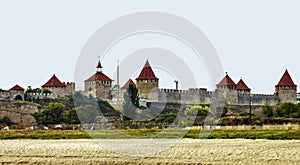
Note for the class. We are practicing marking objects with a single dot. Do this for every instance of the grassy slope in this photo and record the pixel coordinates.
(107, 134)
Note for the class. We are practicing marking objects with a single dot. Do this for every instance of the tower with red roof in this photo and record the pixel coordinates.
(242, 88)
(227, 88)
(286, 89)
(55, 86)
(147, 83)
(244, 97)
(126, 85)
(17, 92)
(98, 85)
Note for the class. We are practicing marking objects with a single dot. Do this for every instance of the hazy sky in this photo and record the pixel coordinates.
(256, 40)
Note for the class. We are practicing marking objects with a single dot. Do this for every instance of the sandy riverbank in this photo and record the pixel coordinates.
(217, 151)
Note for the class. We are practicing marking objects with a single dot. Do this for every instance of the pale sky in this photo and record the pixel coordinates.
(256, 40)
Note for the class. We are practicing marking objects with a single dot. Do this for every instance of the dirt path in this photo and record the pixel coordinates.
(190, 151)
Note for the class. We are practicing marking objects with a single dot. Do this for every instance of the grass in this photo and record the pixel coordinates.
(151, 133)
(43, 134)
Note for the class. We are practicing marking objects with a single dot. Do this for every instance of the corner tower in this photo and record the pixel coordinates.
(147, 83)
(286, 89)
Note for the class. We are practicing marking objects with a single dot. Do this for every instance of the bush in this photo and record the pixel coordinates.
(268, 111)
(52, 114)
(6, 120)
(71, 117)
(197, 110)
(245, 114)
(166, 117)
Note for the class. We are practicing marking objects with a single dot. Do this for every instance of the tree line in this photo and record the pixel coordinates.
(287, 110)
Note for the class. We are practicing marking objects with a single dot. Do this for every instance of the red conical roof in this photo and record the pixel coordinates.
(286, 80)
(54, 82)
(129, 82)
(226, 81)
(242, 86)
(99, 76)
(147, 73)
(17, 88)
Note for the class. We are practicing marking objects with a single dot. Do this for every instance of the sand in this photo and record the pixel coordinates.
(185, 151)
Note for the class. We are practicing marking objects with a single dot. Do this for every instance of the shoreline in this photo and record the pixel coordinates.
(192, 151)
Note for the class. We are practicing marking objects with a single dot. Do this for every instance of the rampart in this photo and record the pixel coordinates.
(40, 96)
(190, 96)
(262, 99)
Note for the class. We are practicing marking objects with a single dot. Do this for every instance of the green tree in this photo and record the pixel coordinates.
(87, 113)
(288, 110)
(268, 111)
(52, 114)
(196, 114)
(197, 110)
(131, 102)
(71, 117)
(167, 116)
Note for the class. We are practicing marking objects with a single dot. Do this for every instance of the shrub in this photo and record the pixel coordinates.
(245, 114)
(268, 111)
(197, 110)
(52, 114)
(6, 120)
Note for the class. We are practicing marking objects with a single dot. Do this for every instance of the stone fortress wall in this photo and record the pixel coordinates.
(203, 96)
(55, 93)
(11, 95)
(190, 96)
(40, 96)
(227, 91)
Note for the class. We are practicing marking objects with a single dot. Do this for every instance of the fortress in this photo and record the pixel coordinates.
(99, 85)
(234, 94)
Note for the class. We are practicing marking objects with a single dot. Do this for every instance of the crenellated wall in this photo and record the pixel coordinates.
(40, 96)
(244, 98)
(70, 89)
(202, 96)
(191, 96)
(262, 99)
